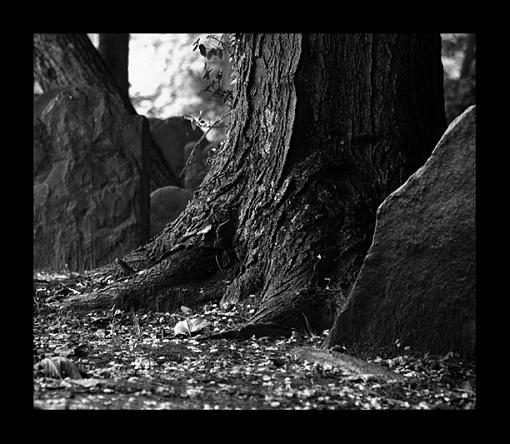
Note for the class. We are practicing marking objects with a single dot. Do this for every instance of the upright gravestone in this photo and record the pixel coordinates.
(91, 194)
(172, 135)
(417, 283)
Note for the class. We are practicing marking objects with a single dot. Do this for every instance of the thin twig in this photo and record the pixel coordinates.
(308, 327)
(225, 114)
(213, 37)
(187, 325)
(74, 291)
(219, 266)
(135, 321)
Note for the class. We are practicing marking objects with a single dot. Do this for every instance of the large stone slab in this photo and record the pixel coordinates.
(91, 195)
(417, 283)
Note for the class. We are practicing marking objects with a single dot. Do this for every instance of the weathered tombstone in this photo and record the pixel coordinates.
(197, 166)
(166, 205)
(172, 135)
(91, 195)
(417, 283)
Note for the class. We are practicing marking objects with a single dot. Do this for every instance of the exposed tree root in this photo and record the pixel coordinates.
(307, 311)
(167, 284)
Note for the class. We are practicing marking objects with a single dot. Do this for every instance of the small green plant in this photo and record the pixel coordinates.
(217, 48)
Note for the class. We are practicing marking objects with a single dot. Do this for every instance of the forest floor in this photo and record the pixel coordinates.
(126, 360)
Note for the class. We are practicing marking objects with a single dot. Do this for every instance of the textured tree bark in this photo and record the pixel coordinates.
(62, 60)
(114, 48)
(323, 128)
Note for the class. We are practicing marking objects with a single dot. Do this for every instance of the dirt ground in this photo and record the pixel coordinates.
(135, 360)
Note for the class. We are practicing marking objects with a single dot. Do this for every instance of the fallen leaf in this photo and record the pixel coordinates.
(58, 367)
(189, 326)
(49, 367)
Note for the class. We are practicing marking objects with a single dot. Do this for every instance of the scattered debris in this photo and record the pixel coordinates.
(138, 360)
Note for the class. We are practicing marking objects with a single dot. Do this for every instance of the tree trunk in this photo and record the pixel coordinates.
(323, 128)
(114, 48)
(62, 60)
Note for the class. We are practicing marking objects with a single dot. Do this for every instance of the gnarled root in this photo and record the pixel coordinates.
(152, 287)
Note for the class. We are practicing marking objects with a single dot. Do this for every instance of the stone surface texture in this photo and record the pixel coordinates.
(91, 196)
(417, 283)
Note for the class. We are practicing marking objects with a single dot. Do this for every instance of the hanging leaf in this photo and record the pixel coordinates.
(220, 54)
(202, 50)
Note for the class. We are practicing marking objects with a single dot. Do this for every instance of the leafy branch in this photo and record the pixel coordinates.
(216, 49)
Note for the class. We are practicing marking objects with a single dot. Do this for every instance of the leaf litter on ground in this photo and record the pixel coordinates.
(137, 360)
